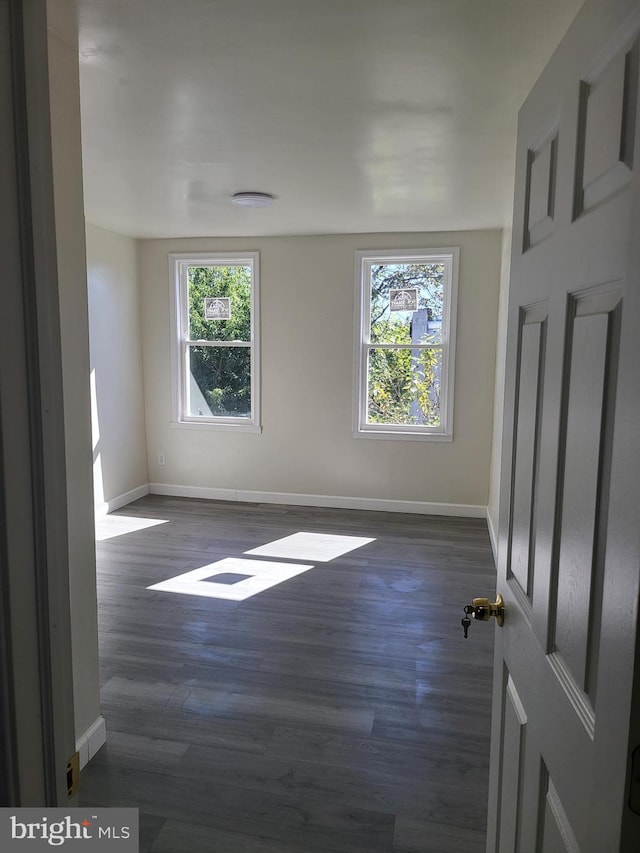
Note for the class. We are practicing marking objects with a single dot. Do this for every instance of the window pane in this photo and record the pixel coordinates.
(404, 386)
(219, 303)
(407, 303)
(219, 382)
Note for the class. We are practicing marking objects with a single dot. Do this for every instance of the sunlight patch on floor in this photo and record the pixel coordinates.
(320, 547)
(254, 576)
(108, 526)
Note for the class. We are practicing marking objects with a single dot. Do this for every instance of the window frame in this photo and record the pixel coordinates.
(365, 259)
(179, 264)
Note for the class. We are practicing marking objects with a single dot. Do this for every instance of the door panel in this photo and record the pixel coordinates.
(606, 136)
(514, 745)
(530, 373)
(556, 834)
(541, 189)
(569, 537)
(576, 596)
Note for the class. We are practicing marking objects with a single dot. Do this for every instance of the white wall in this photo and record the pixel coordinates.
(307, 445)
(119, 442)
(72, 283)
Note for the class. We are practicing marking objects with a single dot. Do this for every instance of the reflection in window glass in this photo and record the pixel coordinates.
(220, 382)
(404, 386)
(219, 291)
(419, 288)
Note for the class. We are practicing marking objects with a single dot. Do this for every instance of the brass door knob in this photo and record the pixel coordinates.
(482, 609)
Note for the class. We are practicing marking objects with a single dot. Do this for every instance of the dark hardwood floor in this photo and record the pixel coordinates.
(340, 710)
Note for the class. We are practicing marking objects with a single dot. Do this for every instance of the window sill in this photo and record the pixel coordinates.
(216, 427)
(392, 435)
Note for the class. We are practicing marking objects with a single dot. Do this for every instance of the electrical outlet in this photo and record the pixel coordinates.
(162, 459)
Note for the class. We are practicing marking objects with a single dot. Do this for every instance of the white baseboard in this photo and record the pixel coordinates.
(338, 502)
(91, 741)
(493, 536)
(122, 500)
(101, 509)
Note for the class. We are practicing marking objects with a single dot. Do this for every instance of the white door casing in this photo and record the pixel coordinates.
(36, 687)
(569, 533)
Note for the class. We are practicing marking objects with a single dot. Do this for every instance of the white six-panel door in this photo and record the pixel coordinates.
(569, 555)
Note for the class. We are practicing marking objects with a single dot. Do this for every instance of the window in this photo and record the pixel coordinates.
(215, 341)
(405, 348)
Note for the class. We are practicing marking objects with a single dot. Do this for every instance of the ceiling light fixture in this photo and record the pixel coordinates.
(252, 199)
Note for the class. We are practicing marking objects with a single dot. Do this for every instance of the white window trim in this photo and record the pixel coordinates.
(178, 265)
(364, 260)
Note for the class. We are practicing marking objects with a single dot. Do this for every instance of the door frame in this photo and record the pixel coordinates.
(37, 732)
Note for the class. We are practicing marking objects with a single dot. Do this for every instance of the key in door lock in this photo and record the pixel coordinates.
(482, 609)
